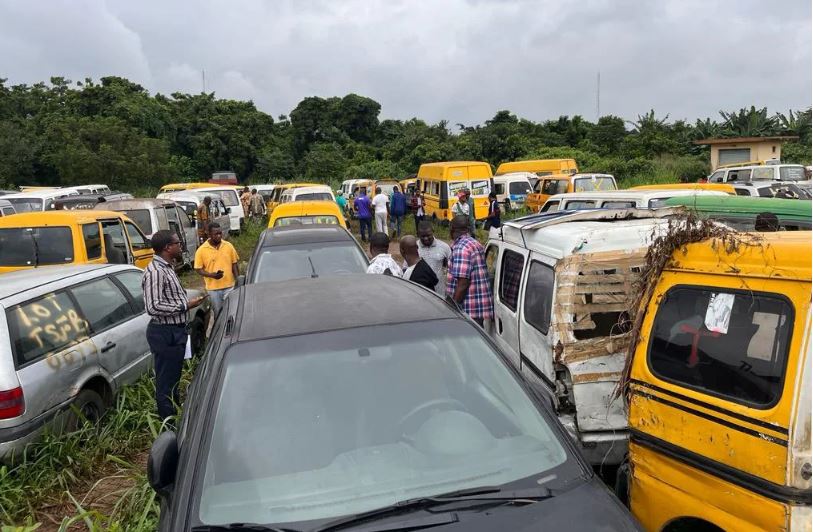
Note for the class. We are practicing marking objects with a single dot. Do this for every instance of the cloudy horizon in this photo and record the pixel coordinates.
(456, 60)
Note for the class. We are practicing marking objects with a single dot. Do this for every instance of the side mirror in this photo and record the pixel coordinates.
(228, 210)
(241, 280)
(162, 464)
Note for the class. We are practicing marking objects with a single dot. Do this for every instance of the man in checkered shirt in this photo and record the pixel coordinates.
(467, 281)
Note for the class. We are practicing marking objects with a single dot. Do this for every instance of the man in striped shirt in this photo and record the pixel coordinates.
(166, 303)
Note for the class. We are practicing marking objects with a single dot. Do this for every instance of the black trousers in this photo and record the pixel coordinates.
(168, 344)
(365, 223)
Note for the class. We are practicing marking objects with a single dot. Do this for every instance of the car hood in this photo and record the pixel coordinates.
(588, 507)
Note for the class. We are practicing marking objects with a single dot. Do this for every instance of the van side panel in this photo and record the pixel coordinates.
(799, 458)
(692, 493)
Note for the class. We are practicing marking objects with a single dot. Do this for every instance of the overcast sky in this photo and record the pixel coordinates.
(459, 60)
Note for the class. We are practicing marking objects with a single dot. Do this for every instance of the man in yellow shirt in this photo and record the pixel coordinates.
(216, 261)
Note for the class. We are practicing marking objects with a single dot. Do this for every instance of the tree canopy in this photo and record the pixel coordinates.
(114, 131)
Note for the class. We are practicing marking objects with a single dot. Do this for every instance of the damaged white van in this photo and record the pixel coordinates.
(564, 284)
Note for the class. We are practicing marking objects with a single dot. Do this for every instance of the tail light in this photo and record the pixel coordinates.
(12, 403)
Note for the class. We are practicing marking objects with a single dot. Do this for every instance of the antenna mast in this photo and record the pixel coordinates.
(203, 79)
(598, 96)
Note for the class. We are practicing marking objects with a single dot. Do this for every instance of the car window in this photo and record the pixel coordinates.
(727, 344)
(492, 252)
(426, 413)
(766, 172)
(132, 284)
(742, 191)
(25, 204)
(499, 188)
(587, 184)
(791, 173)
(306, 220)
(137, 239)
(36, 246)
(170, 213)
(8, 211)
(518, 187)
(766, 192)
(230, 198)
(142, 219)
(93, 240)
(103, 304)
(281, 263)
(480, 187)
(551, 186)
(618, 205)
(314, 196)
(45, 325)
(717, 177)
(510, 277)
(539, 296)
(550, 206)
(577, 205)
(185, 221)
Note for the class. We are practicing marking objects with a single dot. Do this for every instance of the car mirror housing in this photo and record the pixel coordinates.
(162, 463)
(228, 210)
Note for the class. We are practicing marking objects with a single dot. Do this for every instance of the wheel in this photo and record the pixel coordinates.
(88, 406)
(197, 334)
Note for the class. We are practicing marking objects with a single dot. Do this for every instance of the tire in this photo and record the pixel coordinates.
(88, 406)
(197, 333)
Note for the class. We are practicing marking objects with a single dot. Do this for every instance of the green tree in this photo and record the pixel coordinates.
(608, 134)
(751, 122)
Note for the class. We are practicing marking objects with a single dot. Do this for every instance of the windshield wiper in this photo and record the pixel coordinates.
(485, 494)
(241, 526)
(314, 275)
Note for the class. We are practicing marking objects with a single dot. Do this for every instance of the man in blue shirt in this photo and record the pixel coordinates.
(364, 211)
(398, 208)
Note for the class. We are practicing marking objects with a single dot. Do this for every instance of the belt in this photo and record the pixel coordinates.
(180, 325)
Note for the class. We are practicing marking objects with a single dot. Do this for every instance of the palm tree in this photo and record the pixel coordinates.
(751, 122)
(797, 123)
(648, 122)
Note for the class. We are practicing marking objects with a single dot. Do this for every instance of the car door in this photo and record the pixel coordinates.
(51, 348)
(115, 328)
(175, 226)
(130, 281)
(116, 245)
(139, 246)
(190, 233)
(535, 317)
(506, 297)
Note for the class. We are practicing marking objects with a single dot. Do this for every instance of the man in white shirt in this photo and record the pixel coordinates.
(380, 202)
(435, 252)
(382, 262)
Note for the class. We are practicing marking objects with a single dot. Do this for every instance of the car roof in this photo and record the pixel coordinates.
(305, 305)
(48, 218)
(310, 189)
(615, 195)
(136, 203)
(563, 233)
(20, 281)
(745, 205)
(44, 194)
(303, 234)
(306, 208)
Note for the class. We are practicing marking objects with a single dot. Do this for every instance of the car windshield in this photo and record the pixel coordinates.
(307, 220)
(142, 219)
(281, 263)
(229, 197)
(314, 196)
(352, 420)
(25, 204)
(519, 187)
(35, 246)
(588, 184)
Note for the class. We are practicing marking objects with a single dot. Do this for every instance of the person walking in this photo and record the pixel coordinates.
(382, 262)
(435, 252)
(467, 281)
(245, 200)
(380, 202)
(364, 211)
(341, 201)
(256, 204)
(418, 271)
(419, 210)
(465, 207)
(166, 303)
(204, 216)
(398, 208)
(216, 261)
(493, 221)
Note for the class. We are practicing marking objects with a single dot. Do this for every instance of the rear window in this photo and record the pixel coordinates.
(579, 205)
(658, 203)
(306, 220)
(142, 219)
(45, 325)
(618, 205)
(791, 173)
(282, 263)
(587, 184)
(25, 204)
(314, 196)
(723, 343)
(35, 246)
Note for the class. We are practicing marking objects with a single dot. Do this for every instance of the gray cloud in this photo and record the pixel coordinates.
(459, 60)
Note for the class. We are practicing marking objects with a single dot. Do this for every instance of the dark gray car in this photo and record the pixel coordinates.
(396, 412)
(296, 251)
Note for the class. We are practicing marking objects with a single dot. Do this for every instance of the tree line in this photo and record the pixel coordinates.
(114, 131)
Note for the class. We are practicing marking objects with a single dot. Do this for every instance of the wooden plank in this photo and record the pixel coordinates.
(600, 278)
(580, 308)
(606, 289)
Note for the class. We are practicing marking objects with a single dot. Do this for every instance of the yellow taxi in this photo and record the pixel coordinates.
(175, 187)
(549, 185)
(720, 389)
(307, 213)
(276, 194)
(28, 240)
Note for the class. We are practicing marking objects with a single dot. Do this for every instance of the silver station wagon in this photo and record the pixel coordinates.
(69, 335)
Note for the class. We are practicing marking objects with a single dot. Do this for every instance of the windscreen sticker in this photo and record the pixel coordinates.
(718, 313)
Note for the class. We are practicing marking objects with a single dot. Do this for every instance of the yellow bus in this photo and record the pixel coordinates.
(540, 167)
(440, 183)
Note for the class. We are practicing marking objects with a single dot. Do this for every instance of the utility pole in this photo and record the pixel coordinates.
(598, 96)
